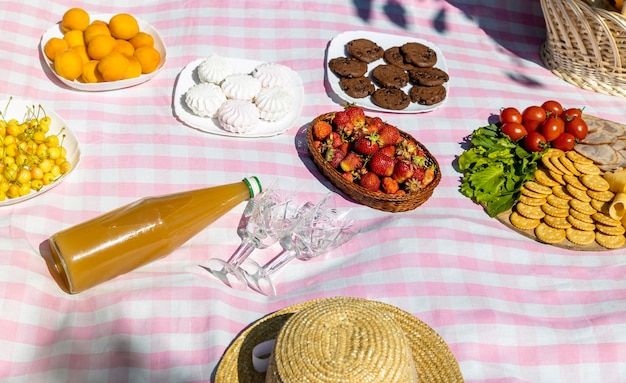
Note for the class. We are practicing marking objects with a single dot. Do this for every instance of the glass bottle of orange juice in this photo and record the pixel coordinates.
(133, 235)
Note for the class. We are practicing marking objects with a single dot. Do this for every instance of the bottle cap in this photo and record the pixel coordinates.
(254, 185)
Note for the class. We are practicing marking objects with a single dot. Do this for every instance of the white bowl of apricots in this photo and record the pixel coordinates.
(102, 52)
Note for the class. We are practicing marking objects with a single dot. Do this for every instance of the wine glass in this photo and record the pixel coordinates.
(266, 219)
(325, 229)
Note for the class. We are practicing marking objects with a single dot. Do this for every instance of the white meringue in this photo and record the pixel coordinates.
(214, 69)
(274, 103)
(238, 116)
(241, 86)
(204, 99)
(273, 74)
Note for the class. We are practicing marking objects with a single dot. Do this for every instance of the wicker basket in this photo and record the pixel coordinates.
(376, 200)
(586, 46)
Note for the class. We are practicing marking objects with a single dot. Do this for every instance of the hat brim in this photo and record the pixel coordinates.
(434, 361)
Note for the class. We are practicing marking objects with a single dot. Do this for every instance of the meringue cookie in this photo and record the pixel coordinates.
(238, 116)
(274, 103)
(241, 86)
(273, 74)
(204, 99)
(214, 69)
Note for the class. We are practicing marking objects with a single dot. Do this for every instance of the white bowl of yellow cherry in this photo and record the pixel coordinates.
(39, 150)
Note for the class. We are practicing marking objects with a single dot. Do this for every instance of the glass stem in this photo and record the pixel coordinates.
(242, 252)
(279, 261)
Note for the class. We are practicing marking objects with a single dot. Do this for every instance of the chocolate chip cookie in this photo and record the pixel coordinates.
(390, 76)
(391, 98)
(357, 87)
(428, 76)
(419, 54)
(364, 50)
(394, 56)
(427, 95)
(347, 67)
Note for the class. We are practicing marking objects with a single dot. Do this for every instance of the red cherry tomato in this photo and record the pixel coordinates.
(577, 127)
(535, 142)
(564, 142)
(535, 113)
(571, 113)
(514, 130)
(532, 125)
(510, 114)
(551, 128)
(552, 108)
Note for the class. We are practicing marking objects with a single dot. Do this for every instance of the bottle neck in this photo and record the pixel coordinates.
(254, 185)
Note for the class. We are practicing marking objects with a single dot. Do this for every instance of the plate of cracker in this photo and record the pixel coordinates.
(388, 73)
(570, 204)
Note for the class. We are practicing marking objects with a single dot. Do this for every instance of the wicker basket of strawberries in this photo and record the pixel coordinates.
(373, 162)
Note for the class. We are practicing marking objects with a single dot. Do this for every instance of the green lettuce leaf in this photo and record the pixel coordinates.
(494, 168)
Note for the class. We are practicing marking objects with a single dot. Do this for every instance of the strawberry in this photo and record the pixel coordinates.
(356, 114)
(345, 130)
(317, 145)
(342, 124)
(374, 124)
(344, 147)
(334, 156)
(389, 185)
(406, 148)
(370, 181)
(389, 135)
(348, 176)
(418, 174)
(381, 164)
(334, 140)
(367, 145)
(341, 118)
(364, 130)
(422, 178)
(351, 162)
(389, 150)
(402, 171)
(359, 132)
(352, 177)
(429, 176)
(321, 130)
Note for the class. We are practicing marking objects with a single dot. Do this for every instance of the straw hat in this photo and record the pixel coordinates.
(340, 339)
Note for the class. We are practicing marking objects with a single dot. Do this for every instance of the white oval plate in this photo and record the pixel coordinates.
(337, 48)
(17, 109)
(159, 45)
(188, 77)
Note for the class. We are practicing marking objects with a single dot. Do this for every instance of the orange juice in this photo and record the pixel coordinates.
(133, 235)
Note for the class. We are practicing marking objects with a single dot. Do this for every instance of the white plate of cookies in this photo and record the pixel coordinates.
(206, 118)
(387, 73)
